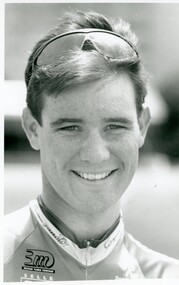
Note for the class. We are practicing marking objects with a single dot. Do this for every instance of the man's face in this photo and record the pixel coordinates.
(89, 143)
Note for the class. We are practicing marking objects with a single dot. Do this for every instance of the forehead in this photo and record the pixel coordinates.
(100, 98)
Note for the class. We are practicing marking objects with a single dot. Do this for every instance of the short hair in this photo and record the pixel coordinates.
(79, 67)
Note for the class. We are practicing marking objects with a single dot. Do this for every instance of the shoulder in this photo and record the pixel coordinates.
(17, 227)
(152, 263)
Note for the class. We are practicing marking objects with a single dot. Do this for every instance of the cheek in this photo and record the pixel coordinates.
(58, 152)
(127, 152)
(127, 144)
(131, 149)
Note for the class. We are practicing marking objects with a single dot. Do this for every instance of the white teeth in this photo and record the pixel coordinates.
(98, 176)
(94, 176)
(85, 176)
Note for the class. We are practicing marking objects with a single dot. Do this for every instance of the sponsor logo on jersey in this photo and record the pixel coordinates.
(35, 278)
(39, 260)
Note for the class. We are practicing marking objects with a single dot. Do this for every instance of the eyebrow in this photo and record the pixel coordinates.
(61, 121)
(123, 120)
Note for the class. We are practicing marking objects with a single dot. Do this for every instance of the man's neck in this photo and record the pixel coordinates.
(67, 232)
(85, 226)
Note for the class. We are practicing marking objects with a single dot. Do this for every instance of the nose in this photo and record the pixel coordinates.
(94, 149)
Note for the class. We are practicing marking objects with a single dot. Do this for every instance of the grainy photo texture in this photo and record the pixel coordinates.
(91, 141)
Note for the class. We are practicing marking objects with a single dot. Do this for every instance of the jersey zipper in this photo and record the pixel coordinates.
(86, 259)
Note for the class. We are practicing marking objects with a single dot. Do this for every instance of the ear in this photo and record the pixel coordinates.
(31, 128)
(144, 122)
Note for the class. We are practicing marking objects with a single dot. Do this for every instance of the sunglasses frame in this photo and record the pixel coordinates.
(79, 31)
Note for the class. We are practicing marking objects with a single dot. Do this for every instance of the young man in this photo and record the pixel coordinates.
(85, 94)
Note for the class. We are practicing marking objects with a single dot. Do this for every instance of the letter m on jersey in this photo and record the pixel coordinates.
(39, 258)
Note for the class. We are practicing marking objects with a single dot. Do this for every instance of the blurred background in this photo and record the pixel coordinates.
(151, 204)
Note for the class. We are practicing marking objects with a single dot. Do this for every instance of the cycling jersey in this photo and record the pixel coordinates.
(35, 250)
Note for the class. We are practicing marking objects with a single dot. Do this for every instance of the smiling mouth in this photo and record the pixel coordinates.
(94, 177)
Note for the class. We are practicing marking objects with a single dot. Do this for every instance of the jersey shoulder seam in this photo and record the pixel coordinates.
(33, 230)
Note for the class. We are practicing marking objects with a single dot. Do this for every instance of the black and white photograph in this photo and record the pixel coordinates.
(91, 142)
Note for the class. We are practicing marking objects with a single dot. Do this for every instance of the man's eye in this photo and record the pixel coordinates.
(115, 127)
(70, 128)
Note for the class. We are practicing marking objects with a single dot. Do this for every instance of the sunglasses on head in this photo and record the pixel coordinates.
(111, 45)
